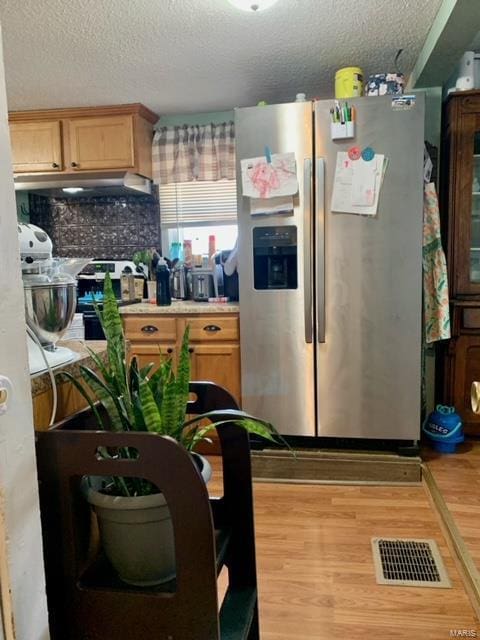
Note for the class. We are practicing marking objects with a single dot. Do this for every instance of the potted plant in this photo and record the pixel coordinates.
(141, 399)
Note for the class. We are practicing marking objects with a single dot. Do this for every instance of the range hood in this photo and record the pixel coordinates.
(111, 183)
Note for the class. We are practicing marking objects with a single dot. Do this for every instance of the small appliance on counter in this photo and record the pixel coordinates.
(202, 284)
(179, 281)
(50, 297)
(225, 284)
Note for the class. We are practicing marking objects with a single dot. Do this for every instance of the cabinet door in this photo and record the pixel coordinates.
(36, 146)
(219, 363)
(466, 200)
(465, 371)
(101, 143)
(152, 353)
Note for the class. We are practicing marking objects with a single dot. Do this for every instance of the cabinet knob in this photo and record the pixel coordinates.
(55, 165)
(191, 350)
(212, 328)
(149, 328)
(74, 164)
(169, 350)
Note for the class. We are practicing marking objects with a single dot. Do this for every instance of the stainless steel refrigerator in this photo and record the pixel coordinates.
(334, 348)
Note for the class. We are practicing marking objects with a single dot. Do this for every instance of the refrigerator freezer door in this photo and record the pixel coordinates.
(277, 345)
(368, 368)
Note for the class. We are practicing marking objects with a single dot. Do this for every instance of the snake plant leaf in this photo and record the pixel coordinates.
(146, 370)
(107, 397)
(134, 376)
(99, 364)
(65, 374)
(183, 381)
(249, 423)
(112, 323)
(155, 382)
(169, 407)
(139, 421)
(151, 414)
(191, 437)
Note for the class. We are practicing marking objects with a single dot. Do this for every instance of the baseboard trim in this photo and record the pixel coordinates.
(331, 467)
(467, 568)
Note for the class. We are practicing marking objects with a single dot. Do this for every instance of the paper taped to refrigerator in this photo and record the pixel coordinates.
(357, 184)
(271, 206)
(263, 179)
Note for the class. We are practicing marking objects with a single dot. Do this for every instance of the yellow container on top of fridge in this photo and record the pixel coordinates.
(348, 83)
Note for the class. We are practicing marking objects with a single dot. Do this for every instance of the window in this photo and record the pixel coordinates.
(196, 210)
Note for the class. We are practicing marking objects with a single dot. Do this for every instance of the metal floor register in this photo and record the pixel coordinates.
(412, 563)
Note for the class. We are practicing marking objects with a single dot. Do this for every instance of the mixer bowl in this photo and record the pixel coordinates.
(49, 309)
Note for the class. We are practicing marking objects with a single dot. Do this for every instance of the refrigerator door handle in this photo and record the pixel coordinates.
(307, 249)
(320, 245)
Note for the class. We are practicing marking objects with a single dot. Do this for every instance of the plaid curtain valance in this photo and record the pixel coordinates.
(194, 152)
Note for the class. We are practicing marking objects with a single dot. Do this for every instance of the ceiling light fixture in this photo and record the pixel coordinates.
(252, 5)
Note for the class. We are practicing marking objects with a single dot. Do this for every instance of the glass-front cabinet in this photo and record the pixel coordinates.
(460, 208)
(475, 204)
(462, 190)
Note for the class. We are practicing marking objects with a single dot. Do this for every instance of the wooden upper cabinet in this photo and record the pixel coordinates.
(85, 139)
(36, 146)
(101, 143)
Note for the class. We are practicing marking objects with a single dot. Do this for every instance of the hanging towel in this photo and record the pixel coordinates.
(435, 282)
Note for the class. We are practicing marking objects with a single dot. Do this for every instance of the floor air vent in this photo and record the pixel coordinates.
(409, 563)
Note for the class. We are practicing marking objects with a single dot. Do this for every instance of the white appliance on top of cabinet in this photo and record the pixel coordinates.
(331, 303)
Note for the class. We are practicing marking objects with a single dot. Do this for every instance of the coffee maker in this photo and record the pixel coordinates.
(225, 284)
(179, 282)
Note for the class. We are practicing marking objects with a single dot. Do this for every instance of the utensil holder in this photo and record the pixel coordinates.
(342, 130)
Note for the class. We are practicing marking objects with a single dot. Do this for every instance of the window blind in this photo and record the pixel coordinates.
(201, 202)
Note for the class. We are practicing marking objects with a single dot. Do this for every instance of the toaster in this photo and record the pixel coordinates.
(202, 285)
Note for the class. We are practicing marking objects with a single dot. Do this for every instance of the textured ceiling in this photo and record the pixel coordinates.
(187, 56)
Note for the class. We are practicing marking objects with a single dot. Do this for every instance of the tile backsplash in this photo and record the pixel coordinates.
(98, 227)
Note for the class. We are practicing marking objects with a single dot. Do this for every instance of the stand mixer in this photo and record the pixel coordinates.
(50, 290)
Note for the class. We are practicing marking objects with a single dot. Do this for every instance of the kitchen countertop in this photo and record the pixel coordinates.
(181, 307)
(42, 383)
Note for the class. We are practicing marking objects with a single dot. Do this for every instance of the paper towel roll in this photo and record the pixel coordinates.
(475, 397)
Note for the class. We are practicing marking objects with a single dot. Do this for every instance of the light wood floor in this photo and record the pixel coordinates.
(458, 478)
(315, 570)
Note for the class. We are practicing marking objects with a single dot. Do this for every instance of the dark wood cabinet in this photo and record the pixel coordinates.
(461, 361)
(461, 228)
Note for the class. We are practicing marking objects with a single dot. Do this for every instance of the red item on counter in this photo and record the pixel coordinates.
(211, 246)
(187, 253)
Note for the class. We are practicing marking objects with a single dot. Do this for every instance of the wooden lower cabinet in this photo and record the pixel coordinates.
(219, 363)
(69, 401)
(214, 348)
(214, 344)
(148, 353)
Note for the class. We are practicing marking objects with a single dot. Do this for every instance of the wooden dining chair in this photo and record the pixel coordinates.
(86, 600)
